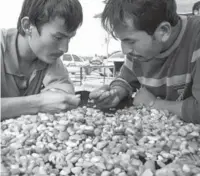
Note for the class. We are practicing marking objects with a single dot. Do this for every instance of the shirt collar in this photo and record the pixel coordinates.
(178, 40)
(11, 59)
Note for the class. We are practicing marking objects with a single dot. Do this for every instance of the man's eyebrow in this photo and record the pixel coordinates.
(128, 40)
(66, 35)
(60, 33)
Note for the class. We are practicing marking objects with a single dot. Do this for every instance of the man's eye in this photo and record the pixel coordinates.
(57, 37)
(131, 42)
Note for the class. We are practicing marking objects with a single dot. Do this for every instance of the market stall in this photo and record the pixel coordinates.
(132, 141)
(92, 67)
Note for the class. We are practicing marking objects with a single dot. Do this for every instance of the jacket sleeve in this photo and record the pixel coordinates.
(127, 78)
(2, 44)
(2, 53)
(191, 105)
(57, 77)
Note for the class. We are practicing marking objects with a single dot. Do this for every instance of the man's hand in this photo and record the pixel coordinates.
(54, 101)
(105, 97)
(144, 97)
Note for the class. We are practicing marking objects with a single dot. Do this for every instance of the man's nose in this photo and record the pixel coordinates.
(135, 52)
(64, 46)
(125, 48)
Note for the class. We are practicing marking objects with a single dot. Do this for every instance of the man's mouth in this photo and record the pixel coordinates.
(135, 56)
(57, 55)
(138, 58)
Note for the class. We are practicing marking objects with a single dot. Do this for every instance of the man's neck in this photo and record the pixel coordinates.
(174, 35)
(25, 53)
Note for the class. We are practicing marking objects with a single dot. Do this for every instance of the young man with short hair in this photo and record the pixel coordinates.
(196, 8)
(163, 57)
(33, 78)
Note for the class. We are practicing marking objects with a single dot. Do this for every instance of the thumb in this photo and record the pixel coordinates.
(98, 92)
(73, 99)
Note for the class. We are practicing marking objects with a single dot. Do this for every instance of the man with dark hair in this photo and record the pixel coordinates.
(162, 57)
(196, 8)
(33, 78)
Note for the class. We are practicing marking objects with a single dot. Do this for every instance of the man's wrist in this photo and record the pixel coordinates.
(35, 102)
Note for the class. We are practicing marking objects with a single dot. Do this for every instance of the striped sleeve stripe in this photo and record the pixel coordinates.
(196, 55)
(2, 40)
(169, 81)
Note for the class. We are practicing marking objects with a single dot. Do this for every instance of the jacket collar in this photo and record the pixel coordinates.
(11, 59)
(178, 40)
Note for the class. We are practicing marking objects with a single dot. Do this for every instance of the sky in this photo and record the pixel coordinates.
(90, 37)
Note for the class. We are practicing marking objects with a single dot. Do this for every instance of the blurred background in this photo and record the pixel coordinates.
(91, 30)
(101, 49)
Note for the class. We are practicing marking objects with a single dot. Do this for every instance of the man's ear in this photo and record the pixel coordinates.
(163, 32)
(26, 25)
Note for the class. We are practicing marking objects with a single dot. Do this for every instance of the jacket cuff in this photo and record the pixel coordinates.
(122, 83)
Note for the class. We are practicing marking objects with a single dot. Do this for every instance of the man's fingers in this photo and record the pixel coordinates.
(73, 100)
(113, 92)
(104, 95)
(78, 96)
(142, 90)
(95, 94)
(64, 107)
(71, 107)
(134, 102)
(103, 102)
(107, 94)
(137, 103)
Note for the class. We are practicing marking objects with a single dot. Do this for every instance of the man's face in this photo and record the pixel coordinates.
(197, 12)
(51, 42)
(138, 44)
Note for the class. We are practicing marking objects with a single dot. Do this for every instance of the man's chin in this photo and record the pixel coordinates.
(49, 60)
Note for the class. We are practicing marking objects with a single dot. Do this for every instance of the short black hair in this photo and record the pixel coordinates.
(146, 14)
(42, 11)
(196, 6)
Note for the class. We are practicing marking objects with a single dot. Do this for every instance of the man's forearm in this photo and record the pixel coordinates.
(16, 106)
(172, 106)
